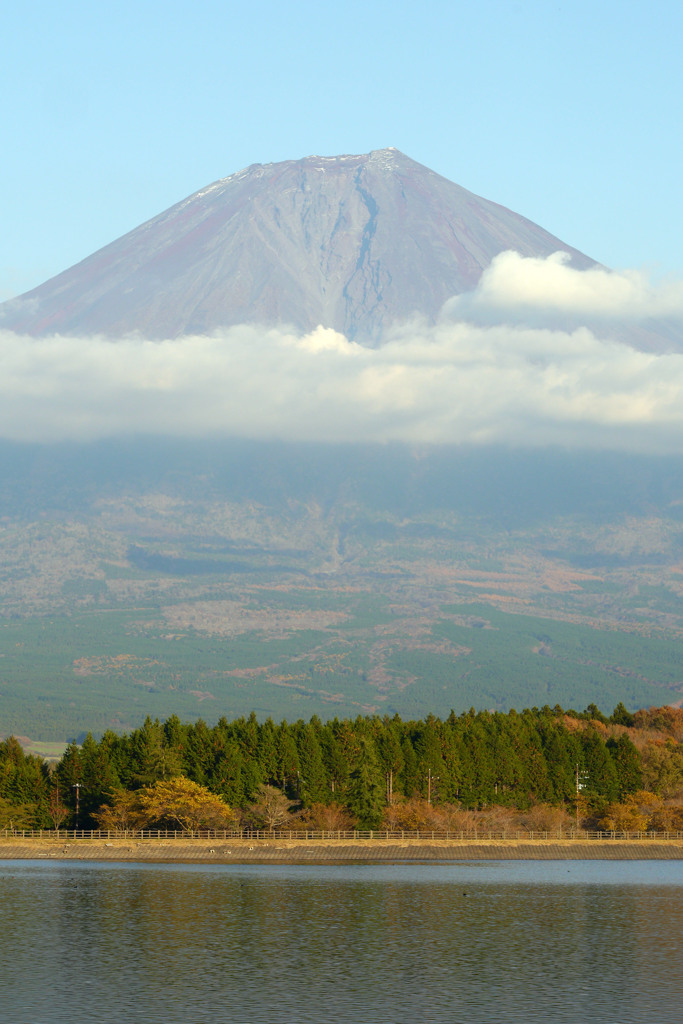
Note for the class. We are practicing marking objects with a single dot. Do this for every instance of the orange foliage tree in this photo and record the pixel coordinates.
(168, 804)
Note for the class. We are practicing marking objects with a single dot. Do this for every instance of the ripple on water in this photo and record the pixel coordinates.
(517, 941)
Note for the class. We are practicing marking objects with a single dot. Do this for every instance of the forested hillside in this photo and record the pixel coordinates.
(546, 767)
(204, 580)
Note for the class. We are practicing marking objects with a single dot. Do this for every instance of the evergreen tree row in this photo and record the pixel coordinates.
(475, 760)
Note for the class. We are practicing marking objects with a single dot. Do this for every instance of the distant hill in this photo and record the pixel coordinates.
(207, 579)
(350, 242)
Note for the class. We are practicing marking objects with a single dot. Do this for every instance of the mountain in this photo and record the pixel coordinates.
(349, 242)
(212, 577)
(208, 579)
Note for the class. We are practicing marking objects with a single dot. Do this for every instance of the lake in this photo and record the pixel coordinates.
(505, 941)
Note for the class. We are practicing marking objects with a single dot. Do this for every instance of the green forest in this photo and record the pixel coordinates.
(539, 768)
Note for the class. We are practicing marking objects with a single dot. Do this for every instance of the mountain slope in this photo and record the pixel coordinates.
(350, 242)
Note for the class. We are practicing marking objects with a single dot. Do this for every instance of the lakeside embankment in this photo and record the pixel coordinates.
(301, 851)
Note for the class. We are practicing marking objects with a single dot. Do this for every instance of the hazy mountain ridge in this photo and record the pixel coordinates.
(206, 580)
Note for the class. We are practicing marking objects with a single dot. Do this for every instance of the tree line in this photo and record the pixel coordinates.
(540, 765)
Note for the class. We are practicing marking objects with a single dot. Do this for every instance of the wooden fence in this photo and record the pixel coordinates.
(479, 835)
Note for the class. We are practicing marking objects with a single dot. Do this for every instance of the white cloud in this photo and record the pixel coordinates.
(454, 382)
(451, 383)
(526, 283)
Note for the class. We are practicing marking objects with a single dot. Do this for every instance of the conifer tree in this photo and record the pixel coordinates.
(267, 752)
(198, 753)
(562, 753)
(449, 789)
(627, 765)
(409, 776)
(288, 768)
(98, 778)
(366, 791)
(336, 765)
(151, 759)
(390, 753)
(620, 716)
(431, 770)
(227, 777)
(601, 774)
(23, 777)
(313, 786)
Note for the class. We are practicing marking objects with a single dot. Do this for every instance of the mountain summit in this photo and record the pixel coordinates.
(350, 242)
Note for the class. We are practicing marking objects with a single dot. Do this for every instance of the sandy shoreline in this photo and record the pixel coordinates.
(245, 851)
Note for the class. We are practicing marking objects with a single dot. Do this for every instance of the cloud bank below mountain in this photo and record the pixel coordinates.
(488, 371)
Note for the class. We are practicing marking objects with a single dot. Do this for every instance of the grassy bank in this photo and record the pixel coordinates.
(303, 850)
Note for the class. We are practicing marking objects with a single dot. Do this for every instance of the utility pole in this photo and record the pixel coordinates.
(580, 783)
(77, 787)
(430, 777)
(390, 786)
(577, 798)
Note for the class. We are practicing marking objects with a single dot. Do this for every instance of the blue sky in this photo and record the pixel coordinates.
(569, 113)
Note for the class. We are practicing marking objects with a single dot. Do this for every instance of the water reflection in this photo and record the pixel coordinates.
(408, 943)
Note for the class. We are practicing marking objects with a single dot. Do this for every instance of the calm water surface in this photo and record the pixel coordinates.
(510, 941)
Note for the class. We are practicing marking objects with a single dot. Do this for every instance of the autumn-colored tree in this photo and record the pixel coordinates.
(324, 818)
(666, 720)
(123, 812)
(633, 814)
(546, 818)
(667, 818)
(170, 803)
(454, 818)
(270, 810)
(662, 768)
(412, 814)
(496, 819)
(55, 810)
(624, 817)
